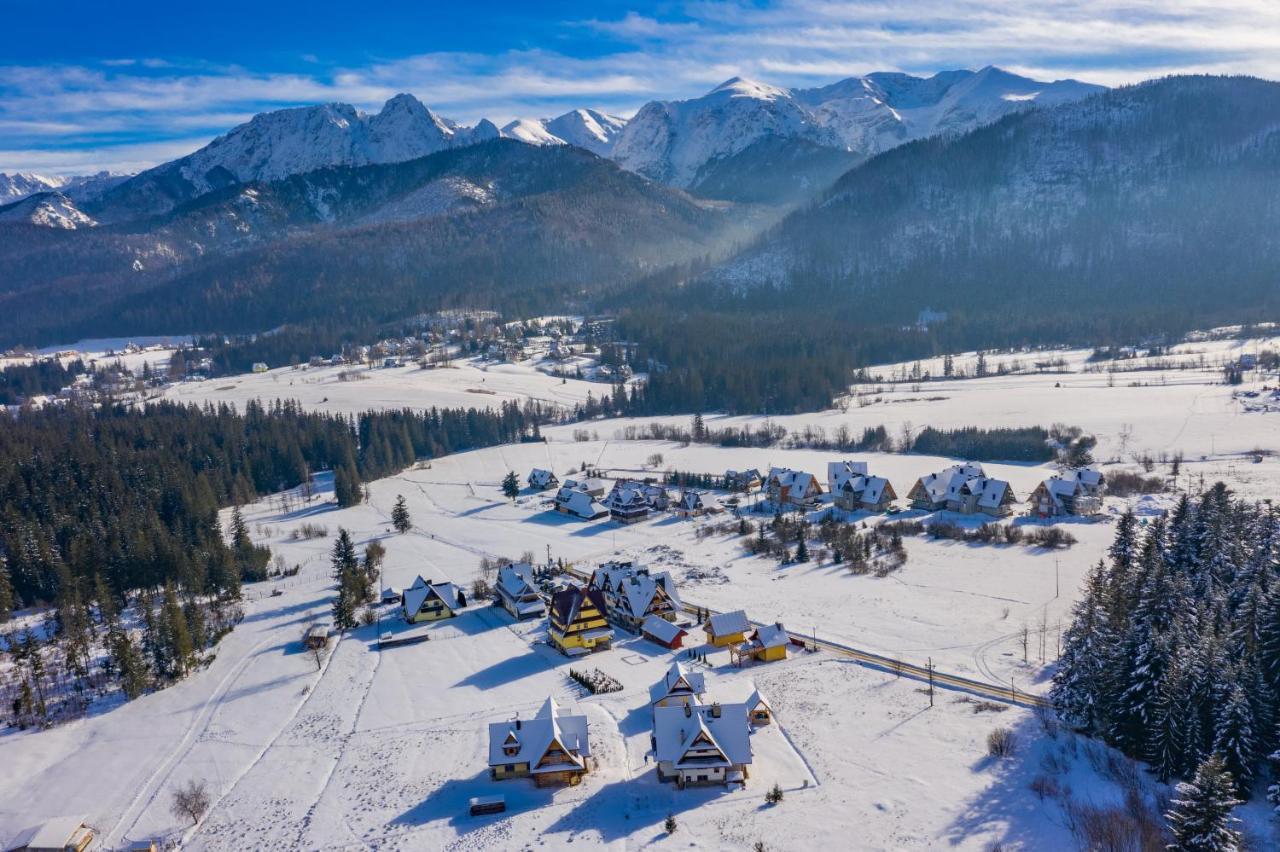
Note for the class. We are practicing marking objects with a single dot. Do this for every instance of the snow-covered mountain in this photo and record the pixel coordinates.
(20, 185)
(677, 141)
(585, 128)
(286, 142)
(48, 209)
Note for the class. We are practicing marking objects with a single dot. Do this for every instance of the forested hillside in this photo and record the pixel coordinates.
(1095, 211)
(1173, 653)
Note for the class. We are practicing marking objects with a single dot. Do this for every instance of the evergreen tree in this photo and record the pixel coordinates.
(6, 590)
(352, 583)
(511, 485)
(400, 516)
(1200, 818)
(175, 634)
(802, 551)
(1234, 739)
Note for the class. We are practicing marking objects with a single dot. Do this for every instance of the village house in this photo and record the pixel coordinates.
(692, 504)
(632, 593)
(696, 745)
(424, 601)
(571, 500)
(593, 485)
(552, 747)
(766, 644)
(260, 367)
(576, 622)
(678, 686)
(963, 488)
(542, 480)
(791, 489)
(657, 629)
(743, 481)
(655, 495)
(854, 489)
(759, 711)
(63, 834)
(626, 504)
(516, 592)
(727, 628)
(1073, 492)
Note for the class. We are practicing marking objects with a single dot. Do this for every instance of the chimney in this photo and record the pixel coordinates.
(688, 710)
(517, 723)
(715, 710)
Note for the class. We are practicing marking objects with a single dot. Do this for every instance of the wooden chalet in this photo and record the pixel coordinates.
(424, 601)
(516, 593)
(542, 480)
(963, 488)
(759, 712)
(855, 490)
(576, 622)
(1073, 492)
(632, 593)
(553, 748)
(791, 489)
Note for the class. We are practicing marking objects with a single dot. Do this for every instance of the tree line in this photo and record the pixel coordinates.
(1173, 653)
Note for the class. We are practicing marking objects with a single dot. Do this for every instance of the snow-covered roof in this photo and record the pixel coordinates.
(994, 493)
(947, 483)
(690, 500)
(64, 832)
(540, 476)
(798, 481)
(1087, 476)
(772, 635)
(639, 590)
(516, 582)
(416, 595)
(661, 629)
(534, 736)
(838, 472)
(725, 623)
(678, 680)
(757, 700)
(579, 503)
(678, 729)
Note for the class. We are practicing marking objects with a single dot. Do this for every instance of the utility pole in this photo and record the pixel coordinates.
(930, 665)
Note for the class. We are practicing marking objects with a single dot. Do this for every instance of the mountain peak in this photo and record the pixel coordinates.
(743, 87)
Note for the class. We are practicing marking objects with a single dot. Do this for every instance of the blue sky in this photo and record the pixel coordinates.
(123, 85)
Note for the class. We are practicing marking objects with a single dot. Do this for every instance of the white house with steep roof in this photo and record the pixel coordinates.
(702, 744)
(678, 686)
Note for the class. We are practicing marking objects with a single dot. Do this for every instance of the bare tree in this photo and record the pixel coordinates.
(191, 801)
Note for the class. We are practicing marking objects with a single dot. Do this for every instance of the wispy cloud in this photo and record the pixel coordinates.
(141, 110)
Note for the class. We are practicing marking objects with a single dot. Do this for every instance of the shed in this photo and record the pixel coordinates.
(58, 834)
(658, 629)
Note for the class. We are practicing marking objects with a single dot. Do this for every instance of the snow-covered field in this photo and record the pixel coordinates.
(382, 749)
(470, 383)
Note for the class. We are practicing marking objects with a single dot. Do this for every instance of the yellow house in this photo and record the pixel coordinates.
(576, 624)
(425, 601)
(552, 747)
(767, 644)
(727, 628)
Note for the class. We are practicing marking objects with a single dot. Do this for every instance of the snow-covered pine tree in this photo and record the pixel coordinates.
(1200, 818)
(1233, 736)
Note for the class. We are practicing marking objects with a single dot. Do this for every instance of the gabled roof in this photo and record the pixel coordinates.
(725, 623)
(678, 681)
(661, 629)
(678, 728)
(56, 833)
(535, 736)
(947, 483)
(1088, 476)
(516, 579)
(838, 472)
(541, 476)
(797, 480)
(690, 500)
(995, 493)
(771, 635)
(756, 700)
(417, 594)
(579, 503)
(566, 603)
(626, 497)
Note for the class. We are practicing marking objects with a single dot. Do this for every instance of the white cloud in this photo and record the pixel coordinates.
(116, 109)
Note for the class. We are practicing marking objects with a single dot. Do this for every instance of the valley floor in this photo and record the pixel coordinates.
(383, 748)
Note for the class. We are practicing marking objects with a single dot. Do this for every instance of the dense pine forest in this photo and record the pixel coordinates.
(1173, 654)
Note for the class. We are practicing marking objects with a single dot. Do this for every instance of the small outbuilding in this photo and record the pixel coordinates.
(60, 834)
(657, 629)
(727, 628)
